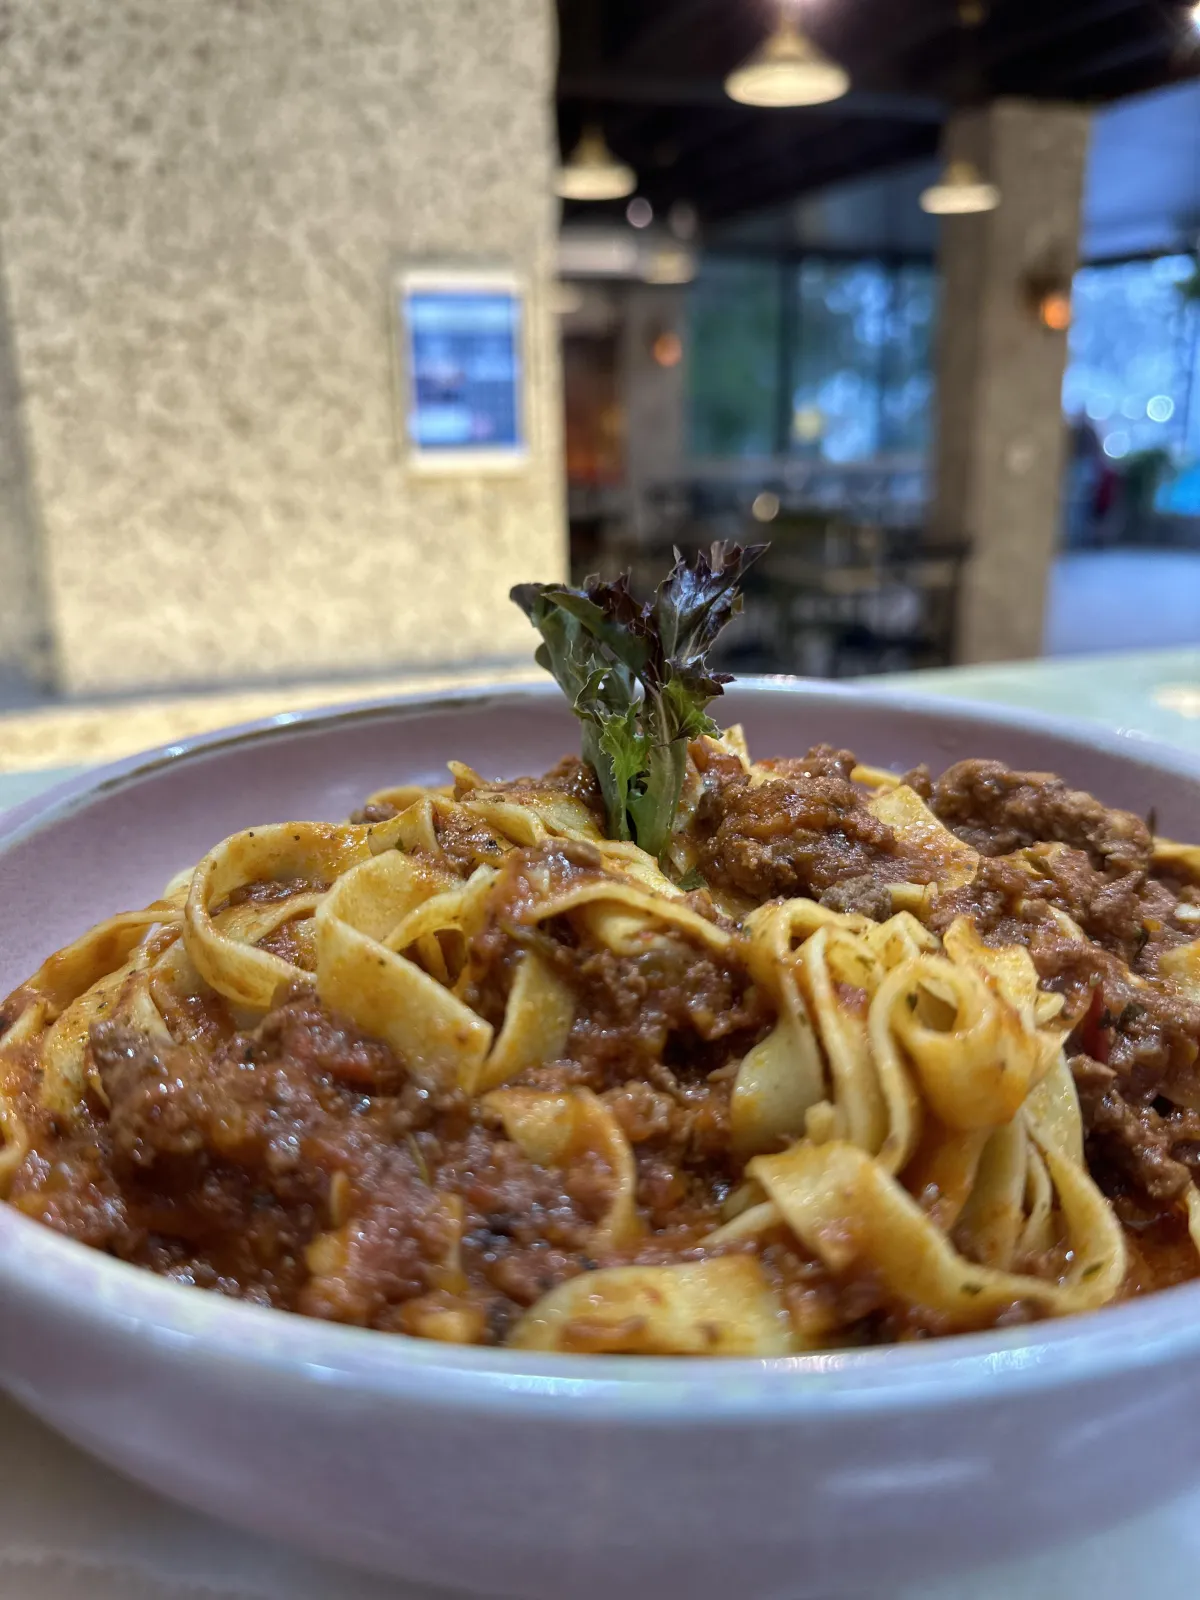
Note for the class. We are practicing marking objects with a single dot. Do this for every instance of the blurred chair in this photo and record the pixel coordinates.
(844, 591)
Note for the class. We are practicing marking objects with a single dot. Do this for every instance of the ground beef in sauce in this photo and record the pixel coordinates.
(1137, 1037)
(805, 831)
(223, 1172)
(226, 1169)
(301, 1165)
(378, 811)
(269, 892)
(1136, 1136)
(575, 778)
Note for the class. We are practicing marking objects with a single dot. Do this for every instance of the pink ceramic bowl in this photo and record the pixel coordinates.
(572, 1477)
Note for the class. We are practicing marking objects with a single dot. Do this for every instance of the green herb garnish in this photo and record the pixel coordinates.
(637, 677)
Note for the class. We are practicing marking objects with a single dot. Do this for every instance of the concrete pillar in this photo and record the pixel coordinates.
(1001, 436)
(654, 393)
(201, 208)
(24, 619)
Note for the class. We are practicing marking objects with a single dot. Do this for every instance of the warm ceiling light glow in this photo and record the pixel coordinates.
(670, 266)
(1196, 16)
(593, 172)
(961, 189)
(787, 70)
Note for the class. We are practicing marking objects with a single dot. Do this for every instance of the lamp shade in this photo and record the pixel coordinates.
(593, 173)
(788, 69)
(961, 189)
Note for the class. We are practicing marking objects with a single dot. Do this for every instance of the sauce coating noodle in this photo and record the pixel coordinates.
(863, 1057)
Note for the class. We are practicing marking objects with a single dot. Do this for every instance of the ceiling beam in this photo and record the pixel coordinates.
(694, 136)
(891, 44)
(774, 157)
(760, 187)
(685, 15)
(761, 147)
(1058, 24)
(618, 87)
(1132, 53)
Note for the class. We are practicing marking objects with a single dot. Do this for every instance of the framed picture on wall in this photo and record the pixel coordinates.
(461, 368)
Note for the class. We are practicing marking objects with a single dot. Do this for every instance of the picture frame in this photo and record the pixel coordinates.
(461, 344)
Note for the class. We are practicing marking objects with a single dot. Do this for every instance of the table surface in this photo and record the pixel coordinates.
(70, 1528)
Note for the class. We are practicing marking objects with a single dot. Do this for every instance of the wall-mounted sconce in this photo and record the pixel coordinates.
(667, 349)
(1047, 296)
(1054, 312)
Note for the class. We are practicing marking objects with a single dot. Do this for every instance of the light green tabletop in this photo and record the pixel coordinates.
(1157, 693)
(18, 786)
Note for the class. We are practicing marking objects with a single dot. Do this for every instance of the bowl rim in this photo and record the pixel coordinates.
(112, 1296)
(50, 805)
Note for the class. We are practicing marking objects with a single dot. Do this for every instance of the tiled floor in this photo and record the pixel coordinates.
(1110, 600)
(57, 735)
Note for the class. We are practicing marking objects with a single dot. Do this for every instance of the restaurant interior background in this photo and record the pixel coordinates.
(936, 336)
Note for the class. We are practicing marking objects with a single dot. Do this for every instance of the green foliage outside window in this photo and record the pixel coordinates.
(736, 317)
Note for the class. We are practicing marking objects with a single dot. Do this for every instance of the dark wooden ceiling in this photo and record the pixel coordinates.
(651, 71)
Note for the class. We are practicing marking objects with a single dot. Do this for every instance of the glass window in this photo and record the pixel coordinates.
(1132, 355)
(841, 328)
(735, 331)
(908, 367)
(827, 359)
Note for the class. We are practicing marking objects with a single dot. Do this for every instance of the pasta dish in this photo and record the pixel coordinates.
(801, 1054)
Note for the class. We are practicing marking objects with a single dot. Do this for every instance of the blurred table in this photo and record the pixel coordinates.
(72, 1530)
(1155, 692)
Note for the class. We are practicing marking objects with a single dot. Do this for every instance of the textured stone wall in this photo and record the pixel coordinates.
(1001, 435)
(201, 205)
(23, 619)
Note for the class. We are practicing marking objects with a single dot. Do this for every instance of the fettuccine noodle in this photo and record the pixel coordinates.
(878, 1109)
